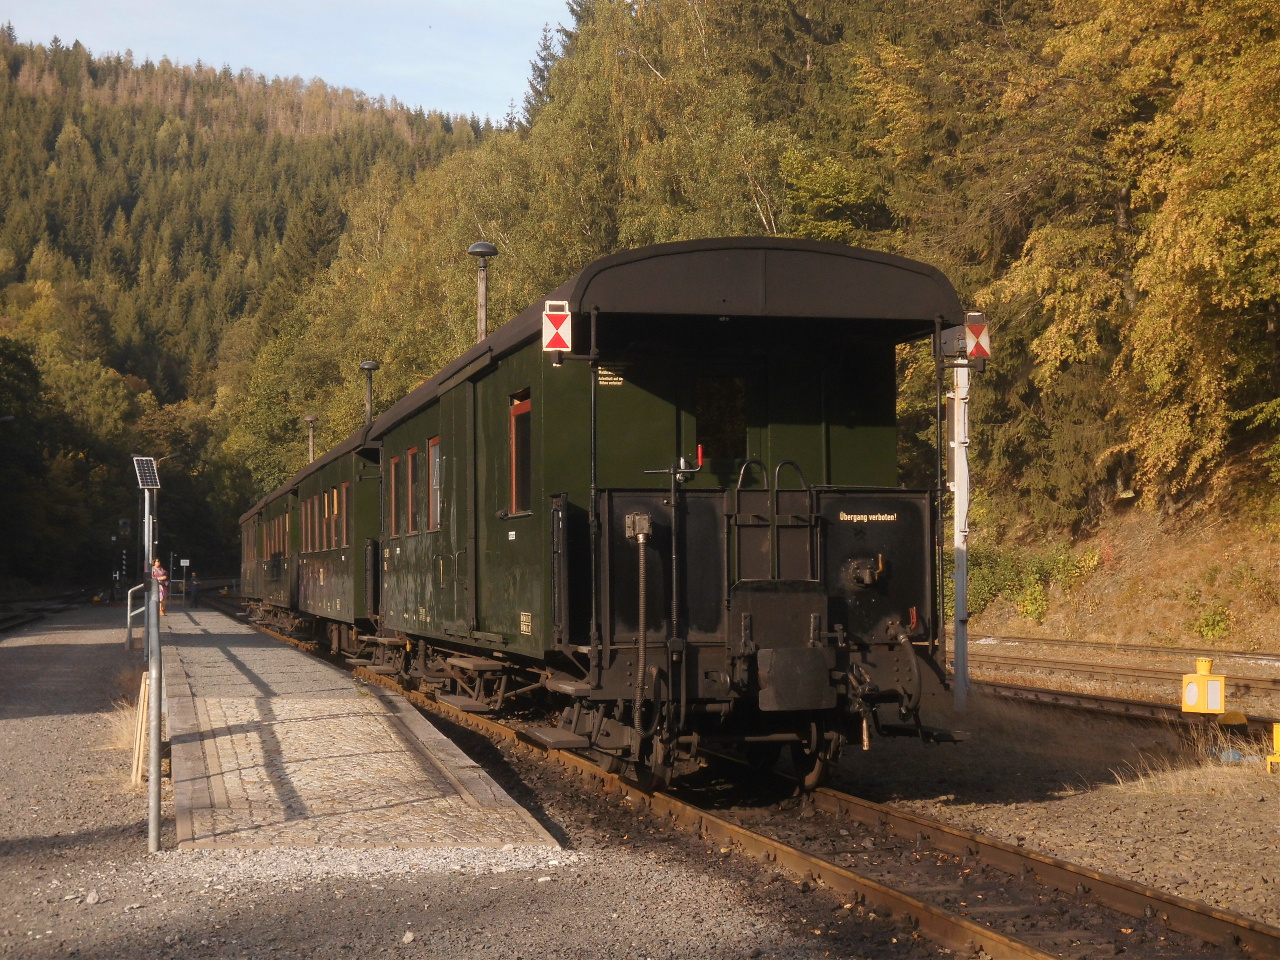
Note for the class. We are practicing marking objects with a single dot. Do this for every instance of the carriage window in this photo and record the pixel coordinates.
(411, 490)
(721, 412)
(326, 529)
(346, 514)
(434, 483)
(335, 534)
(521, 453)
(393, 527)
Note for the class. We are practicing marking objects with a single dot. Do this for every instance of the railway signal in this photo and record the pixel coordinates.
(977, 344)
(963, 349)
(1204, 691)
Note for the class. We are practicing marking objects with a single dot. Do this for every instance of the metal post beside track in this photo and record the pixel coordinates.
(149, 483)
(960, 538)
(963, 349)
(153, 785)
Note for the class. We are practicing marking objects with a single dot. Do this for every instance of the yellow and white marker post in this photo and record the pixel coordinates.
(1273, 761)
(1204, 691)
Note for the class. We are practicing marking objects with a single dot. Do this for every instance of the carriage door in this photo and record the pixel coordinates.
(454, 545)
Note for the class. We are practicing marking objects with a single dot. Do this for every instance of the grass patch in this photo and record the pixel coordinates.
(1196, 766)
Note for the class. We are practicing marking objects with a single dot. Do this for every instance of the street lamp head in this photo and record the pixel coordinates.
(311, 418)
(370, 365)
(482, 248)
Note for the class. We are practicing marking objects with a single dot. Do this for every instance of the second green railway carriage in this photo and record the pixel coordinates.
(339, 523)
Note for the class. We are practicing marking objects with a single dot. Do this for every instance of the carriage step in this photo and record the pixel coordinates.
(553, 738)
(478, 664)
(462, 703)
(574, 688)
(359, 662)
(383, 671)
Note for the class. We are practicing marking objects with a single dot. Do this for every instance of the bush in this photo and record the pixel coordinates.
(1214, 622)
(1021, 576)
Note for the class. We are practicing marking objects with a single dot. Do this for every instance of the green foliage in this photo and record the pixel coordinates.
(1100, 176)
(155, 223)
(1024, 577)
(1213, 622)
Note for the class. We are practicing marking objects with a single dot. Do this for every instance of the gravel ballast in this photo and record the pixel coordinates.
(1136, 800)
(75, 880)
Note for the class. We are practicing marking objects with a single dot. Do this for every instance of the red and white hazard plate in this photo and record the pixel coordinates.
(557, 326)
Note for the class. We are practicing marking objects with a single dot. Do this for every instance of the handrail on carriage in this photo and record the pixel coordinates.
(777, 474)
(764, 472)
(128, 622)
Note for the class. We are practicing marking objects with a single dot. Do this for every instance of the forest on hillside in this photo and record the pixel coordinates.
(212, 255)
(156, 223)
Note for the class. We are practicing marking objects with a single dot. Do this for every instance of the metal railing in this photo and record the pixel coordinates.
(128, 623)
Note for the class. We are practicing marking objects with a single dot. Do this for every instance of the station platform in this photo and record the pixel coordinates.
(274, 747)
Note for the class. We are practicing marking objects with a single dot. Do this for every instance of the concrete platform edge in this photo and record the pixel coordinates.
(467, 776)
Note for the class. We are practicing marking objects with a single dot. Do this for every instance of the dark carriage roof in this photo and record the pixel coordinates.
(732, 276)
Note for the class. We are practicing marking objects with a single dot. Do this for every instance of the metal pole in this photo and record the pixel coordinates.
(153, 643)
(960, 539)
(482, 300)
(368, 367)
(146, 531)
(311, 419)
(146, 571)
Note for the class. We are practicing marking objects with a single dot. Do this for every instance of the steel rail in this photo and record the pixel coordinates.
(1111, 706)
(1241, 686)
(1186, 916)
(942, 926)
(1191, 652)
(12, 621)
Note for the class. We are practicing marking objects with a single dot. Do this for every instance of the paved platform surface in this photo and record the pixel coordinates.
(275, 747)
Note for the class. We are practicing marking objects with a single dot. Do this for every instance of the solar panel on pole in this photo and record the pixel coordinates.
(148, 478)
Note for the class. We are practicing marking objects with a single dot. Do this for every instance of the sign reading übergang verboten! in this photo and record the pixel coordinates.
(557, 328)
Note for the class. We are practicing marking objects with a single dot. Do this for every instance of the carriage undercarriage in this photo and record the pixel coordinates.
(668, 739)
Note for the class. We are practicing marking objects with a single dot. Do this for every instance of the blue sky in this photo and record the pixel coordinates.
(461, 57)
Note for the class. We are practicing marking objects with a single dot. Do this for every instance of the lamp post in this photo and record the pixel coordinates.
(149, 482)
(311, 419)
(368, 367)
(483, 250)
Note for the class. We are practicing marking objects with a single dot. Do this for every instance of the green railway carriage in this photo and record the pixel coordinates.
(340, 526)
(728, 413)
(666, 494)
(269, 562)
(310, 546)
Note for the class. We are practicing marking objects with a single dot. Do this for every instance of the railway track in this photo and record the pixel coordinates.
(1189, 652)
(1239, 686)
(11, 621)
(1111, 706)
(1197, 921)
